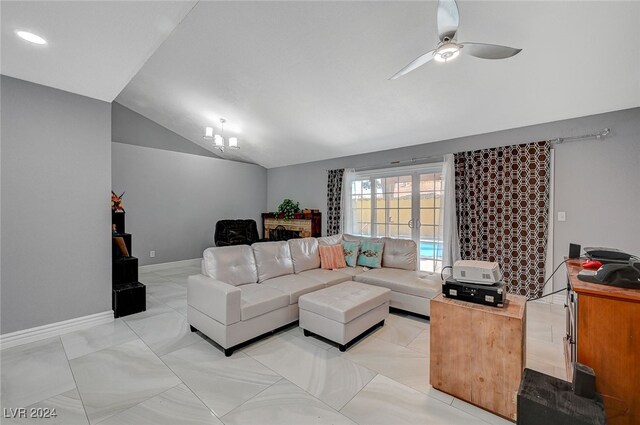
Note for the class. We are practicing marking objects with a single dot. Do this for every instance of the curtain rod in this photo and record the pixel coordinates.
(599, 135)
(439, 158)
(412, 161)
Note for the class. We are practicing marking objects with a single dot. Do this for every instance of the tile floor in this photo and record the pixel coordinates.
(148, 368)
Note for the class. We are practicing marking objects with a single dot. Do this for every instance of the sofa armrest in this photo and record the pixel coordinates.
(216, 299)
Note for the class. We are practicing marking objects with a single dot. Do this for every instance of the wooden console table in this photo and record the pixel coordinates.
(604, 328)
(478, 352)
(305, 225)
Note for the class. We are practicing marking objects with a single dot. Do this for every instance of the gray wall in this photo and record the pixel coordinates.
(132, 128)
(176, 191)
(173, 199)
(596, 182)
(56, 176)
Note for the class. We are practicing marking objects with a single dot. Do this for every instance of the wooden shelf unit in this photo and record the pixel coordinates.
(478, 352)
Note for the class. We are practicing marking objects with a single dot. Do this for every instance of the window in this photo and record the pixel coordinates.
(400, 203)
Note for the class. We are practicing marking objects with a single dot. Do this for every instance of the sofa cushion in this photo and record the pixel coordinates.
(420, 284)
(327, 277)
(351, 271)
(330, 240)
(351, 250)
(256, 299)
(304, 253)
(273, 259)
(345, 302)
(371, 254)
(332, 257)
(400, 254)
(360, 239)
(294, 285)
(234, 265)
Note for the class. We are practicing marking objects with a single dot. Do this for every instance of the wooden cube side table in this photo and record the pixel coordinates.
(478, 352)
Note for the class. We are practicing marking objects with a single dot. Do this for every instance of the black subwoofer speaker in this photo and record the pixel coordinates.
(543, 399)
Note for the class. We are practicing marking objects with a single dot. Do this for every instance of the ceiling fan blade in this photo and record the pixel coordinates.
(489, 51)
(448, 19)
(421, 60)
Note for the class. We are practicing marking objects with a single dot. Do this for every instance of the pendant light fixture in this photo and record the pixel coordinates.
(219, 140)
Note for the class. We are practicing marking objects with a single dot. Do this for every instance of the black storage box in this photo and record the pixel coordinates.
(115, 250)
(125, 270)
(543, 399)
(117, 218)
(128, 298)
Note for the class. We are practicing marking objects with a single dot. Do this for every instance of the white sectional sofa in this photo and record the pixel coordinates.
(247, 291)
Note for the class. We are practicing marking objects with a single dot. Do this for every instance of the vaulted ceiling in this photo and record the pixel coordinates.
(303, 81)
(94, 47)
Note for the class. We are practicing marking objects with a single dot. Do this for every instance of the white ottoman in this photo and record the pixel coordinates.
(344, 311)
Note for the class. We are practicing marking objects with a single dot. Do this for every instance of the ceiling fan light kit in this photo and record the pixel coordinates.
(448, 48)
(447, 52)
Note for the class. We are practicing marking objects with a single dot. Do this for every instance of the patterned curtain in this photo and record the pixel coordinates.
(334, 200)
(502, 207)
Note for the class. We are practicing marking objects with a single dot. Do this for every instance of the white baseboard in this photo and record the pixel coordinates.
(164, 266)
(38, 333)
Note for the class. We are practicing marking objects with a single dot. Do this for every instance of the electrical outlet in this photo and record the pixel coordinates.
(562, 216)
(152, 254)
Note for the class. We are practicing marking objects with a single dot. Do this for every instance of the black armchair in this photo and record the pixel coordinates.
(236, 232)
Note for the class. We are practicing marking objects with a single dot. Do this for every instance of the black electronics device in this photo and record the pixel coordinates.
(614, 274)
(607, 255)
(492, 295)
(574, 250)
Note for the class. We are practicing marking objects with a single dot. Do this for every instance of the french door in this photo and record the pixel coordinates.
(401, 204)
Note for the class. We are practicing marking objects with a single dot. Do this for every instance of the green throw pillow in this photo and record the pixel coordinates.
(370, 254)
(350, 252)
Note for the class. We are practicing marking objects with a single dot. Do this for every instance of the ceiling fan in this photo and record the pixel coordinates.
(448, 48)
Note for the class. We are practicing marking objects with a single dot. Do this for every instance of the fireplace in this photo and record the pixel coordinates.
(303, 225)
(280, 233)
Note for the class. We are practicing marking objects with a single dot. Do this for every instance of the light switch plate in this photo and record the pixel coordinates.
(562, 216)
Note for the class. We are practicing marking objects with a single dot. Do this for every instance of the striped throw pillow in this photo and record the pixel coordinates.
(332, 257)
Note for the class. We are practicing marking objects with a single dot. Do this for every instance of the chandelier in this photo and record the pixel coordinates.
(219, 140)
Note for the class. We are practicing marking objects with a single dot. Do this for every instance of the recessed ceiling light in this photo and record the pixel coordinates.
(31, 37)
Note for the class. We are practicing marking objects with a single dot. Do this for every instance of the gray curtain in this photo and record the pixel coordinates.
(502, 207)
(334, 201)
